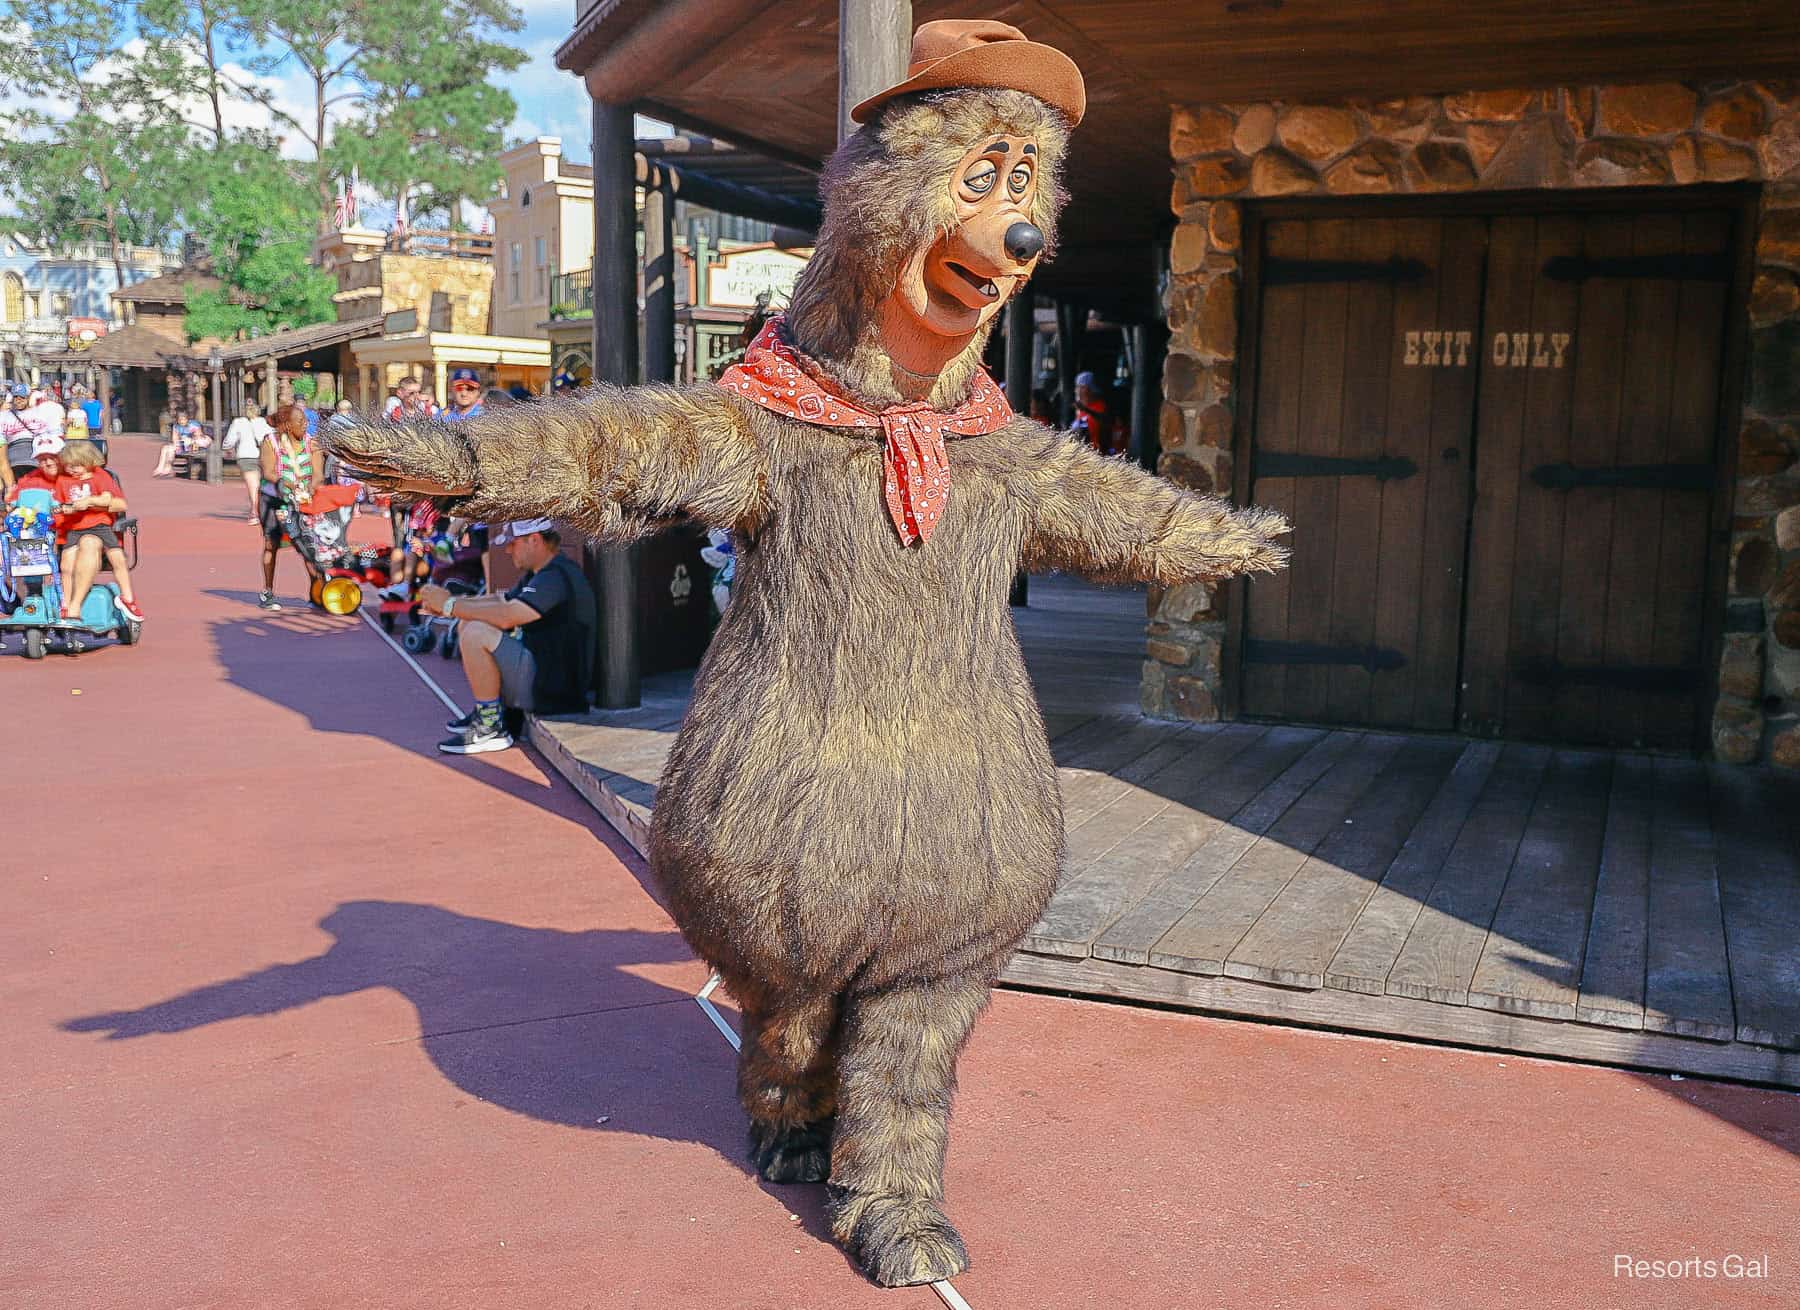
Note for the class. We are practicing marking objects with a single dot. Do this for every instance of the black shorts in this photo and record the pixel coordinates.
(269, 517)
(109, 540)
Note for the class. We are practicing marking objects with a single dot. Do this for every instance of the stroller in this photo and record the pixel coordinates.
(455, 550)
(319, 531)
(31, 593)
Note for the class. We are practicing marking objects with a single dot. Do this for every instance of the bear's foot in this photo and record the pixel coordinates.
(898, 1241)
(792, 1155)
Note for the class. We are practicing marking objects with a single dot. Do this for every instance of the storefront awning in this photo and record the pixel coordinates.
(300, 341)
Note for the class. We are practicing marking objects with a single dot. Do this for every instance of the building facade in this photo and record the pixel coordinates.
(42, 290)
(1521, 367)
(543, 229)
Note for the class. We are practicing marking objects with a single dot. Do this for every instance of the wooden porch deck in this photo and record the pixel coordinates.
(1607, 907)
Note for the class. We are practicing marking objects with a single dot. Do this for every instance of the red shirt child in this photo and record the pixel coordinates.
(72, 486)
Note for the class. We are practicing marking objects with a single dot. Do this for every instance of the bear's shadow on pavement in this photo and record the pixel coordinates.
(545, 1023)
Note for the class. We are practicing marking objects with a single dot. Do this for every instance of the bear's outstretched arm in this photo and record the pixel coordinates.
(611, 460)
(1110, 521)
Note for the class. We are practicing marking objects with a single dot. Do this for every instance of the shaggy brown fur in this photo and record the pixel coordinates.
(860, 817)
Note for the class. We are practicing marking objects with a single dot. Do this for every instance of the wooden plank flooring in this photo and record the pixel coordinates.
(1600, 906)
(1531, 962)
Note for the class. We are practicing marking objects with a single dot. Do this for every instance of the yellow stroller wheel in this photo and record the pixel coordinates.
(340, 596)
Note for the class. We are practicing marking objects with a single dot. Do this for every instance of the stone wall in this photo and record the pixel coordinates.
(1569, 138)
(407, 282)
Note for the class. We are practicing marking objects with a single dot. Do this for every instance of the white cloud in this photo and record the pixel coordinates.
(290, 91)
(552, 101)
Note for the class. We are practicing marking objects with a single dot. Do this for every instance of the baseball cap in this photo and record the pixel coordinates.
(1085, 380)
(17, 389)
(521, 528)
(47, 443)
(465, 375)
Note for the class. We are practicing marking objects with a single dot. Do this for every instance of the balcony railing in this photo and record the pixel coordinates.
(430, 241)
(572, 294)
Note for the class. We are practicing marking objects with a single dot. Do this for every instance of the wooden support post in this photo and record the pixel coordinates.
(616, 361)
(874, 43)
(106, 412)
(1146, 394)
(215, 453)
(440, 382)
(1020, 328)
(659, 280)
(1071, 327)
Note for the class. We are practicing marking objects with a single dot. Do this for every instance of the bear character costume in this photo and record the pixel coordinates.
(860, 819)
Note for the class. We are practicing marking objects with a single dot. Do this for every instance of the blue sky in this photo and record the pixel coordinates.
(551, 102)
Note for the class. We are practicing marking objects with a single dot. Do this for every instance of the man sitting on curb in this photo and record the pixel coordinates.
(550, 611)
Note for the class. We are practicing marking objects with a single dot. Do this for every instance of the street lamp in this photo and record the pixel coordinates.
(215, 361)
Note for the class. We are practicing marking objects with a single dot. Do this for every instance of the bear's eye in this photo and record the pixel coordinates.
(980, 178)
(1019, 179)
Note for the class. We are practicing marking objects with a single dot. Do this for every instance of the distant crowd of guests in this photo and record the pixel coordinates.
(30, 412)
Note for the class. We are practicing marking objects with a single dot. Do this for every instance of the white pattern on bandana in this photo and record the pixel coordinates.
(917, 483)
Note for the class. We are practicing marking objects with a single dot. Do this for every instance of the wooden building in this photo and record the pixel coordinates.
(1504, 313)
(146, 369)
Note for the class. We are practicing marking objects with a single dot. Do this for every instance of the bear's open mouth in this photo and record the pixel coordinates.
(985, 285)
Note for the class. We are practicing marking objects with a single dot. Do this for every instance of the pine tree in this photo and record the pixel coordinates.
(415, 73)
(433, 122)
(79, 146)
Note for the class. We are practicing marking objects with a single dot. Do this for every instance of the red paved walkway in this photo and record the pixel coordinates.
(299, 1014)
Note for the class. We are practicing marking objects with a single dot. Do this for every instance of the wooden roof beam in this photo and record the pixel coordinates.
(728, 197)
(653, 49)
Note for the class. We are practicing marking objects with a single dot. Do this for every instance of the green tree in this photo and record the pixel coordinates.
(433, 122)
(185, 43)
(79, 146)
(411, 72)
(252, 211)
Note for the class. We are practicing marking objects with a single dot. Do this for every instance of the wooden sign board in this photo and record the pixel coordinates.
(741, 275)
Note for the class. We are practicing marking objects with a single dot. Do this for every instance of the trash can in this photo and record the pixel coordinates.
(674, 598)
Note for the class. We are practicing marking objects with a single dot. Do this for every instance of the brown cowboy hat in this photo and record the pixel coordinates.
(956, 52)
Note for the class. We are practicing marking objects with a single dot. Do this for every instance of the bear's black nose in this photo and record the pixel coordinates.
(1023, 241)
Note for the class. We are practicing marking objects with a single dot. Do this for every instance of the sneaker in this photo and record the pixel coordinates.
(267, 601)
(129, 609)
(477, 741)
(399, 591)
(462, 724)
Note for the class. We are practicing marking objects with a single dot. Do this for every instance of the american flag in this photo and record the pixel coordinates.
(344, 211)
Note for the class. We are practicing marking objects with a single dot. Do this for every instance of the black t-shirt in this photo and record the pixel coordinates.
(562, 641)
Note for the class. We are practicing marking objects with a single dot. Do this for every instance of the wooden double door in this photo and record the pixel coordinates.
(1497, 438)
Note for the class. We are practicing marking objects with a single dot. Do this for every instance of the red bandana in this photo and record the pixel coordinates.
(918, 470)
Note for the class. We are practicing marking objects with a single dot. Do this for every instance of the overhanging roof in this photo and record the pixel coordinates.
(130, 347)
(453, 348)
(170, 288)
(298, 341)
(763, 73)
